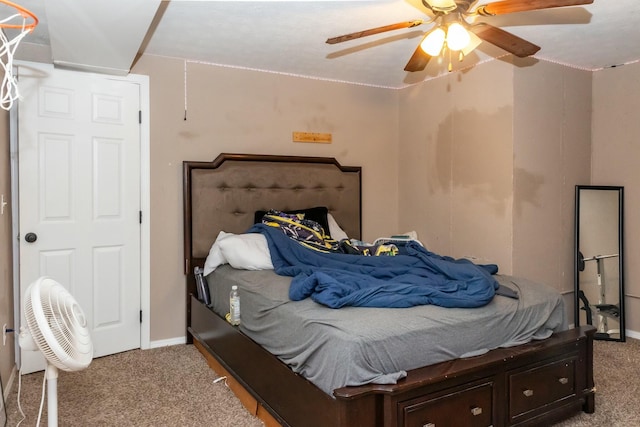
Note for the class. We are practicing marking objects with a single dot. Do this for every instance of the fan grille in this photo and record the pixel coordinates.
(58, 325)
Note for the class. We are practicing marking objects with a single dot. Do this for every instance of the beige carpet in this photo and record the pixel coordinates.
(616, 372)
(169, 386)
(173, 386)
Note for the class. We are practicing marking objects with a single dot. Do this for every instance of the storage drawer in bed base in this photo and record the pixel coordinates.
(491, 380)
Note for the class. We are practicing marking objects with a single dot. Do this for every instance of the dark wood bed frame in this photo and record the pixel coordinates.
(533, 384)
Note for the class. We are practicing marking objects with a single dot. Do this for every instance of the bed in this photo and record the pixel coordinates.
(535, 383)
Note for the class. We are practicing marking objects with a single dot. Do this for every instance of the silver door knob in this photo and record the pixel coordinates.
(31, 237)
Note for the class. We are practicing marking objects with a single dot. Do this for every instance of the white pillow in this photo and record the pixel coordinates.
(215, 258)
(335, 231)
(243, 251)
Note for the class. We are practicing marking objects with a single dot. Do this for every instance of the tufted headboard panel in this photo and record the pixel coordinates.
(223, 195)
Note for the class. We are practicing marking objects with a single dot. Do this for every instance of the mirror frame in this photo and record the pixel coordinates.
(578, 261)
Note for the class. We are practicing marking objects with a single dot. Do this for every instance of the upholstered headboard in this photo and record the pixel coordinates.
(224, 195)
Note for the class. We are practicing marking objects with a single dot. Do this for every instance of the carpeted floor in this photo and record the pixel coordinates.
(616, 372)
(169, 386)
(173, 386)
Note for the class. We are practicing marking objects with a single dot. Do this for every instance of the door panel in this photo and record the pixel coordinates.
(79, 192)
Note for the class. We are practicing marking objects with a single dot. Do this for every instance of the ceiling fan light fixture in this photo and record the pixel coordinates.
(457, 37)
(474, 42)
(432, 44)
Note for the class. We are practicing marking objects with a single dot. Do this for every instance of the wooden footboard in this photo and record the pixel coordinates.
(533, 384)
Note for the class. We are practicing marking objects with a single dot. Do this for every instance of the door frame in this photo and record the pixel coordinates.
(145, 202)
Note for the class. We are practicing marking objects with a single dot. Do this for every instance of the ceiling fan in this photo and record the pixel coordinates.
(454, 30)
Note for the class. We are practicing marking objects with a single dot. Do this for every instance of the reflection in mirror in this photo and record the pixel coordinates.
(599, 270)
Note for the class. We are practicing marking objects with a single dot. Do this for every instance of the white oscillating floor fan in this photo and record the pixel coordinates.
(56, 326)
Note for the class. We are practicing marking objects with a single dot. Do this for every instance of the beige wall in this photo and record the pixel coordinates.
(616, 160)
(7, 358)
(456, 151)
(484, 162)
(480, 163)
(231, 110)
(552, 154)
(489, 162)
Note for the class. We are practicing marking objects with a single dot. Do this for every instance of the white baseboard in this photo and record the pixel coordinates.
(633, 334)
(168, 342)
(9, 384)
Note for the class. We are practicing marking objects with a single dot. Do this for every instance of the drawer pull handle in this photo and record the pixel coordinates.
(476, 410)
(528, 393)
(563, 380)
(429, 425)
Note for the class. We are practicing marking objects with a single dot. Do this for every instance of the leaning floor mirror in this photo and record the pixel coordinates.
(599, 278)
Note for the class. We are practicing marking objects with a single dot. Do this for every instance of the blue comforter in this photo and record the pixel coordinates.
(414, 277)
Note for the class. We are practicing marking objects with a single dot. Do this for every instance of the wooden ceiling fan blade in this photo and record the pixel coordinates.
(372, 31)
(418, 60)
(505, 40)
(512, 6)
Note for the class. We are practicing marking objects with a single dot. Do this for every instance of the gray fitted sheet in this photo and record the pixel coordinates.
(360, 345)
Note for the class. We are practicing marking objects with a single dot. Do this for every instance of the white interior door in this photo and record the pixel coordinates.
(79, 195)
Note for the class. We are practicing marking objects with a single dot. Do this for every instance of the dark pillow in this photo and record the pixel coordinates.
(317, 214)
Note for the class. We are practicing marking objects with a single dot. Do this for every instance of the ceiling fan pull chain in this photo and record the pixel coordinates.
(185, 91)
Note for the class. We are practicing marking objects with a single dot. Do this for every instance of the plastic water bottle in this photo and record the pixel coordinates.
(234, 306)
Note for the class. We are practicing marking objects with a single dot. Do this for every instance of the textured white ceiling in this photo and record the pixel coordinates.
(289, 36)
